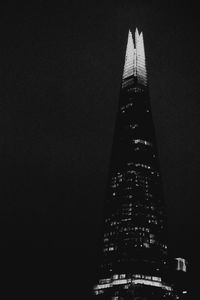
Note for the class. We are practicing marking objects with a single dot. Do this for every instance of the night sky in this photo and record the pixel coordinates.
(60, 73)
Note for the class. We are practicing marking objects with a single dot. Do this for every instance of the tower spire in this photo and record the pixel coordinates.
(135, 262)
(135, 64)
(129, 65)
(141, 61)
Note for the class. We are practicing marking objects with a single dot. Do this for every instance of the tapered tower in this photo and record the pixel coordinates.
(135, 261)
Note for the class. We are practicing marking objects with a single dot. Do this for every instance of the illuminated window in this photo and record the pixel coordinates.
(142, 165)
(181, 264)
(152, 241)
(113, 223)
(133, 126)
(97, 292)
(137, 279)
(111, 248)
(146, 143)
(105, 280)
(137, 89)
(126, 286)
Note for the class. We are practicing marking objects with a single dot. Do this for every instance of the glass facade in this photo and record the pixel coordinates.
(135, 256)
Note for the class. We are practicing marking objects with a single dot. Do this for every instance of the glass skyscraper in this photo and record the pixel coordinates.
(135, 263)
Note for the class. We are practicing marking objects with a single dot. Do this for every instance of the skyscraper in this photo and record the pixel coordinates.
(135, 263)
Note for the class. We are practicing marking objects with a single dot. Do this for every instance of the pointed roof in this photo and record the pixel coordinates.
(135, 63)
(129, 63)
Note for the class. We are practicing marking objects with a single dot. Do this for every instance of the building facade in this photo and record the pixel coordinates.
(135, 263)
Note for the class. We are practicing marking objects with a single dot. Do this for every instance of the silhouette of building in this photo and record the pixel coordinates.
(135, 263)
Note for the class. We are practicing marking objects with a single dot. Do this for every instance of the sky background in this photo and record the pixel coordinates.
(60, 69)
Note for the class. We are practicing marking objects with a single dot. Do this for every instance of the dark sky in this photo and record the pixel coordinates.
(60, 71)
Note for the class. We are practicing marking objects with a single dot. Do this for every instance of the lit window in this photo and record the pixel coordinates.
(105, 280)
(142, 165)
(133, 126)
(181, 264)
(97, 292)
(126, 286)
(146, 143)
(111, 248)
